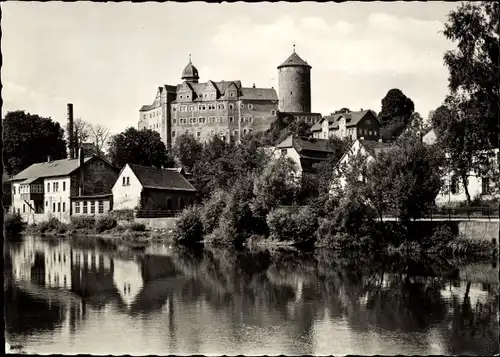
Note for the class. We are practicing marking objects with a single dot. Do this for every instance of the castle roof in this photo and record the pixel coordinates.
(190, 72)
(294, 61)
(248, 93)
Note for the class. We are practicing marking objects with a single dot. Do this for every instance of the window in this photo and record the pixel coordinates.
(221, 120)
(198, 134)
(242, 106)
(174, 121)
(368, 121)
(48, 187)
(283, 151)
(123, 181)
(231, 94)
(53, 207)
(77, 207)
(24, 208)
(485, 185)
(128, 181)
(250, 119)
(46, 203)
(231, 119)
(64, 182)
(101, 207)
(92, 207)
(250, 106)
(242, 119)
(173, 133)
(173, 109)
(58, 206)
(273, 112)
(64, 206)
(181, 96)
(244, 131)
(85, 209)
(250, 131)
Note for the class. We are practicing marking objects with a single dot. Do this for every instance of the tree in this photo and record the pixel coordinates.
(142, 147)
(341, 111)
(187, 150)
(277, 185)
(475, 65)
(404, 180)
(29, 139)
(285, 125)
(99, 135)
(325, 169)
(395, 114)
(82, 129)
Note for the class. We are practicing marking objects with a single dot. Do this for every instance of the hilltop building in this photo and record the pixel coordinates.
(227, 108)
(353, 125)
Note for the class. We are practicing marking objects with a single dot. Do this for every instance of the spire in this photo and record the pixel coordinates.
(190, 58)
(293, 46)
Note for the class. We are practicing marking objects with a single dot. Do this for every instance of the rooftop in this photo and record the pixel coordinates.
(294, 61)
(352, 119)
(54, 168)
(163, 179)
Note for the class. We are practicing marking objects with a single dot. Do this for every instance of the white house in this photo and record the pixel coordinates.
(479, 186)
(352, 125)
(305, 152)
(365, 150)
(48, 189)
(151, 189)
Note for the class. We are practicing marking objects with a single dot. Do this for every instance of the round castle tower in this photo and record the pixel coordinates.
(294, 82)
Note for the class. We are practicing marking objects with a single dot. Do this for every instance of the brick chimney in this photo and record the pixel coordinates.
(71, 153)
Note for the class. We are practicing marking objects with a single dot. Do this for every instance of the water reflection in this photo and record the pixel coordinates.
(78, 297)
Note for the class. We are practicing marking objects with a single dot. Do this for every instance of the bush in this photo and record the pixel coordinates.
(52, 225)
(83, 222)
(189, 227)
(236, 223)
(297, 226)
(13, 223)
(212, 210)
(105, 223)
(438, 241)
(136, 227)
(122, 214)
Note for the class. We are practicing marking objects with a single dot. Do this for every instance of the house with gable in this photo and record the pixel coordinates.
(62, 188)
(149, 189)
(361, 152)
(353, 125)
(304, 151)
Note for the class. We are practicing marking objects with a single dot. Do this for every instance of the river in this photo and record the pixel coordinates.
(74, 296)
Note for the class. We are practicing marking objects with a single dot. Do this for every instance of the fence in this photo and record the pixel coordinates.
(487, 212)
(159, 213)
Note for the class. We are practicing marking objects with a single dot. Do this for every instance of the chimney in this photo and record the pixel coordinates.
(80, 166)
(76, 144)
(71, 153)
(49, 159)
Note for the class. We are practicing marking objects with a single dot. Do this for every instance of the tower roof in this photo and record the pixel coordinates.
(294, 61)
(190, 72)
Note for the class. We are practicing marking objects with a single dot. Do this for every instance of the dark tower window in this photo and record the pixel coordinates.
(290, 93)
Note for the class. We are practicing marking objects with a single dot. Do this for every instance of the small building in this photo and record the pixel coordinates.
(365, 150)
(430, 137)
(52, 188)
(151, 189)
(353, 125)
(305, 152)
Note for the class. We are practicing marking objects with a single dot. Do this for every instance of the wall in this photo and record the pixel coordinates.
(159, 199)
(480, 230)
(294, 89)
(158, 223)
(60, 197)
(126, 197)
(95, 170)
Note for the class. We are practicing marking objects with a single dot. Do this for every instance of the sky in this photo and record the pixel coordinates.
(108, 59)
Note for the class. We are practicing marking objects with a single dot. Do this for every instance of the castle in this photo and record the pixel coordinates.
(226, 108)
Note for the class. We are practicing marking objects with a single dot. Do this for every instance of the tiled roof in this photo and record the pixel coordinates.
(220, 86)
(54, 168)
(375, 147)
(259, 94)
(294, 60)
(162, 179)
(306, 147)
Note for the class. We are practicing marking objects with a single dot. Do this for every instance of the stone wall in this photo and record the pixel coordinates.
(486, 230)
(157, 223)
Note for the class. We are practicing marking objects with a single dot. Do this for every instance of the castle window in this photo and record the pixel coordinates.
(244, 131)
(273, 112)
(250, 131)
(212, 132)
(231, 107)
(187, 96)
(181, 96)
(221, 120)
(231, 119)
(198, 134)
(174, 121)
(250, 106)
(242, 106)
(173, 109)
(231, 94)
(173, 133)
(242, 120)
(250, 119)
